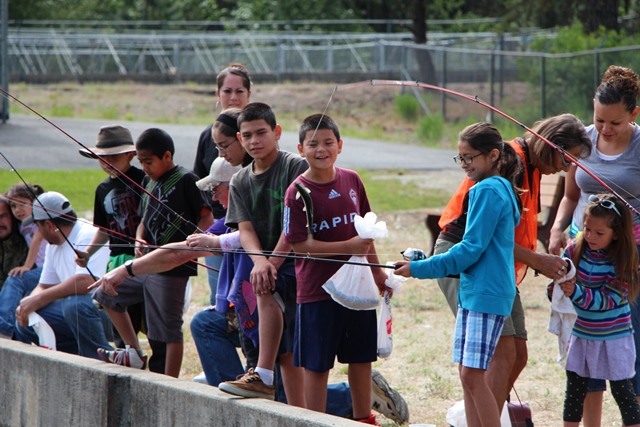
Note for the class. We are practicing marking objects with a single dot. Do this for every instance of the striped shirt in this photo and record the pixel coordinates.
(601, 302)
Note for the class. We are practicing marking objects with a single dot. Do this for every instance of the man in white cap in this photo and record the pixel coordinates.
(62, 295)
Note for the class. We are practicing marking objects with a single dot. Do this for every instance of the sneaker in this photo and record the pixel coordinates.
(200, 378)
(386, 400)
(124, 356)
(249, 385)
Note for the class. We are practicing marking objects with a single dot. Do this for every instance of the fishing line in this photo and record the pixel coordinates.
(100, 158)
(45, 210)
(268, 254)
(202, 249)
(112, 232)
(478, 101)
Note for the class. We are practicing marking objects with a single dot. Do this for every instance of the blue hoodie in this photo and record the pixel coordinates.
(484, 257)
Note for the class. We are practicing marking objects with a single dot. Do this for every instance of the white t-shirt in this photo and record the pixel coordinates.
(60, 260)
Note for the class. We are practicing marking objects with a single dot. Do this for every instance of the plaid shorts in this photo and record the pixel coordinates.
(476, 338)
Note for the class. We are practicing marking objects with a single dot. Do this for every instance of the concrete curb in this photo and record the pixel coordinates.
(39, 387)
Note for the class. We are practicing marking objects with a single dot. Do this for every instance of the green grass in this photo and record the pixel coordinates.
(77, 185)
(385, 192)
(388, 194)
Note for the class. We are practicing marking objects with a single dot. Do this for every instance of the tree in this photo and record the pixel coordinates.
(600, 13)
(423, 56)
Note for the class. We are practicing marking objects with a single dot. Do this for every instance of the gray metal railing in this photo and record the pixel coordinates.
(4, 57)
(503, 68)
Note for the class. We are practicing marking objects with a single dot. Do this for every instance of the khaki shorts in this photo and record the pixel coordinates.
(514, 325)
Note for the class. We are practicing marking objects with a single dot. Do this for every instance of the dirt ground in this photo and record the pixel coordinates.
(420, 366)
(362, 111)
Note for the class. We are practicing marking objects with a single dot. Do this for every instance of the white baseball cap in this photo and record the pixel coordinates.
(221, 171)
(47, 206)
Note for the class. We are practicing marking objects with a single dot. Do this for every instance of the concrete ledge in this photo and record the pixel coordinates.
(39, 387)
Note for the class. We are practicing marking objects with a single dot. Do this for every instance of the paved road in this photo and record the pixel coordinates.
(31, 143)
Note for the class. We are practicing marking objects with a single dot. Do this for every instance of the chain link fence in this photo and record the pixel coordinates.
(500, 69)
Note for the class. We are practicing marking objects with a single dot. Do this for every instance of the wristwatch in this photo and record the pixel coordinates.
(129, 266)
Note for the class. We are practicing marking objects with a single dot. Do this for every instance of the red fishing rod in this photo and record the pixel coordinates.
(97, 156)
(477, 100)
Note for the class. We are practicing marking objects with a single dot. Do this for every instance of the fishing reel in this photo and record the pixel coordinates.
(413, 254)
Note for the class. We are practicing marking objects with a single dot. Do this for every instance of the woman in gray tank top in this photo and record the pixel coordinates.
(614, 159)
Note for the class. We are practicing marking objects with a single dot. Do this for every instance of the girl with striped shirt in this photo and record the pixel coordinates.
(605, 284)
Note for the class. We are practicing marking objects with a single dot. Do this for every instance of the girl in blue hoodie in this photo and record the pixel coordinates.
(484, 260)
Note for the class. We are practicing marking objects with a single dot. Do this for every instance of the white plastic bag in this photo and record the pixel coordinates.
(353, 286)
(368, 228)
(385, 332)
(46, 336)
(394, 282)
(457, 418)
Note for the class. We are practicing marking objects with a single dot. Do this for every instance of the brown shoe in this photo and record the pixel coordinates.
(249, 385)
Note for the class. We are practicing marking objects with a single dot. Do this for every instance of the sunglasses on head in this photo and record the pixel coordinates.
(605, 203)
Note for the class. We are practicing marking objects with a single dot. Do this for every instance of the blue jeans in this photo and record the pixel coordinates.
(15, 288)
(77, 324)
(216, 346)
(635, 321)
(212, 275)
(220, 361)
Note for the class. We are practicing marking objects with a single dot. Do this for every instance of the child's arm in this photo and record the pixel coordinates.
(567, 287)
(317, 248)
(403, 269)
(99, 240)
(378, 273)
(205, 219)
(263, 275)
(31, 256)
(603, 298)
(225, 242)
(140, 242)
(281, 248)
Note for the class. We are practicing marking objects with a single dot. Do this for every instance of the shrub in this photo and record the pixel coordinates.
(407, 106)
(431, 129)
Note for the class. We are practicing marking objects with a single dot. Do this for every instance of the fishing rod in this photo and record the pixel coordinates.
(109, 231)
(477, 100)
(46, 211)
(207, 249)
(268, 254)
(99, 157)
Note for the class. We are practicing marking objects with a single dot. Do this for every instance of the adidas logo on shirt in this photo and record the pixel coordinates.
(333, 194)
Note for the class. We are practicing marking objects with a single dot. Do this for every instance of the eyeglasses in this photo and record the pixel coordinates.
(467, 160)
(605, 203)
(565, 163)
(225, 147)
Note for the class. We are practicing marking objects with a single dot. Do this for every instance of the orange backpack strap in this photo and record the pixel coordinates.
(526, 233)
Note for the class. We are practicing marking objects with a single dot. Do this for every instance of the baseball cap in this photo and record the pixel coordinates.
(112, 139)
(221, 171)
(47, 206)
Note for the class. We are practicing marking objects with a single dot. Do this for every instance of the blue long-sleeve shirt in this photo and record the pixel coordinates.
(600, 300)
(484, 257)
